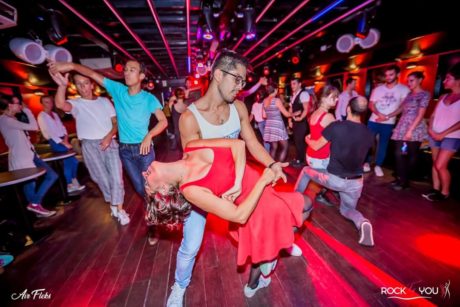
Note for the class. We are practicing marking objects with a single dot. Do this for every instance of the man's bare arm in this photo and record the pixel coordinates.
(64, 67)
(188, 128)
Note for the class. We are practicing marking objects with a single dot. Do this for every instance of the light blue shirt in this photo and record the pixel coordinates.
(133, 111)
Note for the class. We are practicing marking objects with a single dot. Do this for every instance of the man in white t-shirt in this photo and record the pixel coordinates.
(344, 98)
(96, 127)
(385, 99)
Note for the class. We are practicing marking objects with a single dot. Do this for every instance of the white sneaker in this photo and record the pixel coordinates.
(40, 211)
(366, 237)
(378, 171)
(114, 212)
(123, 217)
(176, 297)
(267, 267)
(294, 250)
(366, 168)
(263, 282)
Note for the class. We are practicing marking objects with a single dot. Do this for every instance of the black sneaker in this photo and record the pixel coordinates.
(323, 200)
(430, 192)
(437, 197)
(400, 187)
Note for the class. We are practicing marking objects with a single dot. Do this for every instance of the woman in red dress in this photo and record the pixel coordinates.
(213, 175)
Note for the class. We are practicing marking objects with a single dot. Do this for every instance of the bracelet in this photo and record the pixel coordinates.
(271, 164)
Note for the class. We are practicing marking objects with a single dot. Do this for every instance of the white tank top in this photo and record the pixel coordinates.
(229, 130)
(445, 117)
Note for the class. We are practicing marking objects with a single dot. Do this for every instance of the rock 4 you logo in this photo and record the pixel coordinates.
(414, 293)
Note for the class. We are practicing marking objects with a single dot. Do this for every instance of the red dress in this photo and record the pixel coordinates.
(269, 228)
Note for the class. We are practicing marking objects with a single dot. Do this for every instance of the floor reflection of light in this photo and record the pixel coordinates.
(366, 268)
(441, 247)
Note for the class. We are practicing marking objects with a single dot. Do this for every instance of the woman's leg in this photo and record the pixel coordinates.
(284, 150)
(412, 154)
(307, 207)
(273, 149)
(441, 164)
(254, 276)
(434, 171)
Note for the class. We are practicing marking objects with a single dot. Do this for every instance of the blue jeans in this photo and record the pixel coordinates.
(134, 164)
(36, 196)
(349, 190)
(384, 132)
(193, 236)
(70, 164)
(261, 126)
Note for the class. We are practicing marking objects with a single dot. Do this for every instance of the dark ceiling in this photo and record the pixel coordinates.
(397, 21)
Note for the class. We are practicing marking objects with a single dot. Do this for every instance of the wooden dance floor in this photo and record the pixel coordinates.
(90, 260)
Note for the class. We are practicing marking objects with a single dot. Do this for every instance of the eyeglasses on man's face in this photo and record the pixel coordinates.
(238, 79)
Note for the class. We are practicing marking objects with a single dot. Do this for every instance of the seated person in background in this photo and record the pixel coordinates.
(209, 175)
(54, 131)
(22, 153)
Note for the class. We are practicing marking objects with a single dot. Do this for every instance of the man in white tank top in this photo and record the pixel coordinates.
(216, 115)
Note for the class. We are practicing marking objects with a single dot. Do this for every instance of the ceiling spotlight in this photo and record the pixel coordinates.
(295, 58)
(201, 69)
(207, 34)
(347, 41)
(249, 27)
(266, 70)
(119, 67)
(56, 31)
(363, 26)
(150, 85)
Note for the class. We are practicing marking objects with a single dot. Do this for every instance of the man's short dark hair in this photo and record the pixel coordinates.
(357, 105)
(393, 67)
(142, 67)
(349, 81)
(44, 97)
(4, 101)
(227, 60)
(454, 71)
(73, 75)
(296, 79)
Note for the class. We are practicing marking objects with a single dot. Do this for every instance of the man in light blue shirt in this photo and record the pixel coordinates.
(133, 107)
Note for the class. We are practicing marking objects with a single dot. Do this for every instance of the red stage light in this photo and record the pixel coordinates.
(118, 67)
(266, 71)
(196, 82)
(295, 60)
(441, 247)
(250, 78)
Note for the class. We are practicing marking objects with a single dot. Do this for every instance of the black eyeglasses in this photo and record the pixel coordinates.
(238, 79)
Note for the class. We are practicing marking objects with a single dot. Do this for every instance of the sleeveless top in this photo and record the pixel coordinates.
(229, 130)
(445, 116)
(316, 131)
(221, 174)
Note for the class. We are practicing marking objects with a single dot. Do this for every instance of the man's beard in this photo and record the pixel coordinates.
(392, 81)
(224, 98)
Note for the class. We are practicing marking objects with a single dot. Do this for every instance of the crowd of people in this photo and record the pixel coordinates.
(214, 131)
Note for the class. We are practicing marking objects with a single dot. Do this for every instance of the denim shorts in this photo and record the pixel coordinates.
(450, 144)
(317, 163)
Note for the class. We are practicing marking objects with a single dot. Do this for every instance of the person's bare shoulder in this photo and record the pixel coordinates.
(241, 108)
(188, 127)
